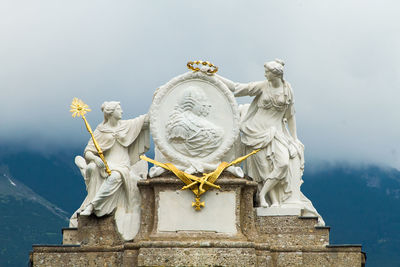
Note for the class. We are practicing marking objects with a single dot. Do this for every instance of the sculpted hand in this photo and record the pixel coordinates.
(146, 118)
(299, 144)
(99, 162)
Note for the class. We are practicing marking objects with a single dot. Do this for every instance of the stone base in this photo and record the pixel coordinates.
(197, 256)
(272, 211)
(284, 240)
(70, 236)
(331, 256)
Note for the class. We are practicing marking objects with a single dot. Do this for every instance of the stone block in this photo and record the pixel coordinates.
(197, 257)
(79, 258)
(98, 231)
(291, 231)
(70, 236)
(290, 259)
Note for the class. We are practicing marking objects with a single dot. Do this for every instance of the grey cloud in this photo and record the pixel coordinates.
(342, 59)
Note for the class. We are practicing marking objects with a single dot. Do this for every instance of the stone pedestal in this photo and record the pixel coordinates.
(170, 216)
(227, 232)
(274, 211)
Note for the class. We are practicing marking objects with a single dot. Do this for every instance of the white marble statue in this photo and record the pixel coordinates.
(269, 124)
(188, 129)
(194, 123)
(93, 172)
(122, 142)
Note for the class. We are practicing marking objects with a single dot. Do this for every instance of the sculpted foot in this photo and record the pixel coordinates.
(88, 210)
(190, 170)
(263, 203)
(321, 221)
(237, 171)
(156, 171)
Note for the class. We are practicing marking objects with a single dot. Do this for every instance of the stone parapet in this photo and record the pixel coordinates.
(291, 231)
(269, 241)
(94, 231)
(200, 254)
(45, 256)
(197, 257)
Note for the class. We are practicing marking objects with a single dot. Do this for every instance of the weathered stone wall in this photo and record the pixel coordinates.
(270, 241)
(282, 232)
(197, 257)
(68, 256)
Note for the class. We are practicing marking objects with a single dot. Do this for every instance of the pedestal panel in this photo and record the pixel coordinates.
(175, 212)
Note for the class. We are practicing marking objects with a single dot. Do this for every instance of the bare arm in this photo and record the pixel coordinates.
(146, 122)
(291, 122)
(241, 89)
(292, 126)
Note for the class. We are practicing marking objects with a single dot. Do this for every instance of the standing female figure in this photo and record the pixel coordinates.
(270, 125)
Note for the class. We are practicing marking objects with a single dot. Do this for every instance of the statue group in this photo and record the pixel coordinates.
(196, 124)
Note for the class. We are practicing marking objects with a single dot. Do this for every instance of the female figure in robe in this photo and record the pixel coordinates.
(270, 125)
(122, 142)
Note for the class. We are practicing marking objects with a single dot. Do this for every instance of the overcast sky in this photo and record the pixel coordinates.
(342, 59)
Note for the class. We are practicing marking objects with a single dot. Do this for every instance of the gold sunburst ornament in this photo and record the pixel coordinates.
(79, 108)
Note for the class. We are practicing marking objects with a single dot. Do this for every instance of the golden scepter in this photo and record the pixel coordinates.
(78, 108)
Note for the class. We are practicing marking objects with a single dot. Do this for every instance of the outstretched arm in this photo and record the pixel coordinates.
(230, 84)
(242, 89)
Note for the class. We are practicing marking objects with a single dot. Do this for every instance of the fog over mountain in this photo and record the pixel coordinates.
(342, 59)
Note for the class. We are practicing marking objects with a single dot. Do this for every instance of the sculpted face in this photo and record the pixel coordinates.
(117, 113)
(274, 70)
(195, 101)
(269, 75)
(188, 130)
(201, 108)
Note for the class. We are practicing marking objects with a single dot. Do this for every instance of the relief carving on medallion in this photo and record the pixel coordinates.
(194, 121)
(188, 129)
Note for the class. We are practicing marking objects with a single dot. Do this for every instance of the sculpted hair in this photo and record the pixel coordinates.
(276, 67)
(108, 108)
(190, 97)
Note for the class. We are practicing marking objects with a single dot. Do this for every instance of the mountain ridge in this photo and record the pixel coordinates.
(26, 218)
(361, 203)
(12, 187)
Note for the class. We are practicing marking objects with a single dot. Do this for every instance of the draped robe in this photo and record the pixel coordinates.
(122, 147)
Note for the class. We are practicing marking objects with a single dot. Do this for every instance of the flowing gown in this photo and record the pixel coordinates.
(263, 127)
(121, 147)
